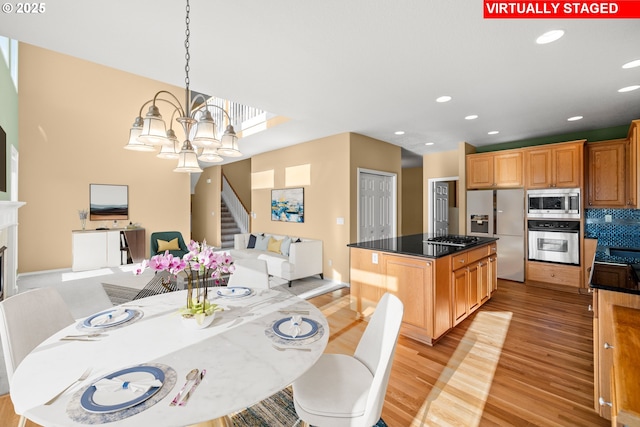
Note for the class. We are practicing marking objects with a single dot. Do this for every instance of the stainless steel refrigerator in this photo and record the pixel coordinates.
(500, 213)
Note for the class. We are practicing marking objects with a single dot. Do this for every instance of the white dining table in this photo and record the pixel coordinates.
(236, 350)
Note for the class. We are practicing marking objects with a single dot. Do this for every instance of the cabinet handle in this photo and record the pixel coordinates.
(553, 275)
(603, 402)
(462, 261)
(607, 346)
(590, 308)
(480, 264)
(590, 290)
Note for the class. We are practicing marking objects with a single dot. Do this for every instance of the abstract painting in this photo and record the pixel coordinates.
(287, 205)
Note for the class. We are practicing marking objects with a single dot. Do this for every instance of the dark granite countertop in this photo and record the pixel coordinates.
(415, 245)
(616, 269)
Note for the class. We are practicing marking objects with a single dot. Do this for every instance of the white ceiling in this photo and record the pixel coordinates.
(366, 66)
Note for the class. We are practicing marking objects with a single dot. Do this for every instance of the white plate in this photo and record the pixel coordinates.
(109, 318)
(102, 401)
(234, 292)
(308, 328)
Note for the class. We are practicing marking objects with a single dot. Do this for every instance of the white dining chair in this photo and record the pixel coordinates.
(341, 390)
(27, 319)
(250, 272)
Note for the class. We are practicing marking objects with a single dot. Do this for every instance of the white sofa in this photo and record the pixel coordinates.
(304, 257)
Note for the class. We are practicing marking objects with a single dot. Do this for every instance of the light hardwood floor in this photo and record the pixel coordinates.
(524, 359)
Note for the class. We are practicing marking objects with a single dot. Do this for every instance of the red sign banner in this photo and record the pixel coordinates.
(621, 9)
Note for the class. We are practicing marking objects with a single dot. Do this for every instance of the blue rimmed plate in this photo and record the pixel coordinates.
(234, 292)
(109, 318)
(308, 328)
(102, 401)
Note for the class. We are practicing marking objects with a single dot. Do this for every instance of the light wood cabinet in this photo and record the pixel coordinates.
(554, 166)
(625, 376)
(590, 247)
(472, 280)
(501, 169)
(460, 298)
(603, 343)
(556, 274)
(400, 273)
(493, 270)
(435, 291)
(607, 179)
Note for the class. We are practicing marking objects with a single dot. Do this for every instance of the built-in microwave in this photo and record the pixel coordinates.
(554, 203)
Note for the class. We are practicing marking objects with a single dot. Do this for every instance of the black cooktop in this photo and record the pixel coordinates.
(453, 240)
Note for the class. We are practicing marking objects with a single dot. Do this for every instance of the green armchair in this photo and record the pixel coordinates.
(163, 240)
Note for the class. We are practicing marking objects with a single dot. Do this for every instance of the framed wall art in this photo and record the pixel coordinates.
(287, 205)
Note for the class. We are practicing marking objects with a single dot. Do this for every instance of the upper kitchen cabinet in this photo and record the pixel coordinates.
(502, 169)
(555, 165)
(610, 183)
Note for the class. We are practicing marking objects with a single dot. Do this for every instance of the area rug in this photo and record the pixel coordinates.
(120, 294)
(275, 411)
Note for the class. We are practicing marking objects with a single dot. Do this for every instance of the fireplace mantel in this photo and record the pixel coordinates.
(9, 222)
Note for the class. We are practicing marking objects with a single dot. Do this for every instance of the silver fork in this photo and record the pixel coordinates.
(83, 377)
(291, 348)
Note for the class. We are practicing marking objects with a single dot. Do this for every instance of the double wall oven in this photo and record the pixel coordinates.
(553, 225)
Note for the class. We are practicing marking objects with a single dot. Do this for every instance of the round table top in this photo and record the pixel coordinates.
(237, 351)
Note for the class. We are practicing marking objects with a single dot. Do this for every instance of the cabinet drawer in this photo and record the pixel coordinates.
(477, 254)
(459, 261)
(553, 273)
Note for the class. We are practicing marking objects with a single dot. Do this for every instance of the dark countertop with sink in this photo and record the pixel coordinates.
(417, 245)
(616, 269)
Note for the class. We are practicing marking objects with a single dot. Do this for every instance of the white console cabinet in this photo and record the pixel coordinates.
(94, 249)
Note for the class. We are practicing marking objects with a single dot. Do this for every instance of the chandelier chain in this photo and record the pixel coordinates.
(187, 56)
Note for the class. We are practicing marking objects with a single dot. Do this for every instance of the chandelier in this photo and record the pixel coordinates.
(200, 130)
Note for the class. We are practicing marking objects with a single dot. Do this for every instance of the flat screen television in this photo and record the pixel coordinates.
(108, 202)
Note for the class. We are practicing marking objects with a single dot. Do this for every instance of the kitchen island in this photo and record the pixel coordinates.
(441, 280)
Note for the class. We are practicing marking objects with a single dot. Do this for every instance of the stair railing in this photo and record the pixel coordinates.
(236, 208)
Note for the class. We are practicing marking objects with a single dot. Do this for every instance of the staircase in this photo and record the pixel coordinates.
(228, 227)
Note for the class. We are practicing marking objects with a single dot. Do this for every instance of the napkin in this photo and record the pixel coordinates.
(108, 318)
(116, 384)
(294, 325)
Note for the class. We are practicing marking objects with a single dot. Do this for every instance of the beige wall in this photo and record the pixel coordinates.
(412, 207)
(239, 176)
(444, 164)
(74, 119)
(205, 207)
(368, 153)
(326, 197)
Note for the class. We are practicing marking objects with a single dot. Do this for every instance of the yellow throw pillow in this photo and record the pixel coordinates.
(171, 245)
(274, 245)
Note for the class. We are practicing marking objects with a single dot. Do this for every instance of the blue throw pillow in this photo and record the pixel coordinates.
(262, 242)
(284, 247)
(252, 242)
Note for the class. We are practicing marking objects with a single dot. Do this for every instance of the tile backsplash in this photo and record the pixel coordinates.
(623, 229)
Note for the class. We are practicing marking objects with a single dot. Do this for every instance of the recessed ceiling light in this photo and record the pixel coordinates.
(632, 64)
(574, 118)
(550, 36)
(399, 132)
(428, 143)
(493, 132)
(471, 117)
(444, 98)
(629, 88)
